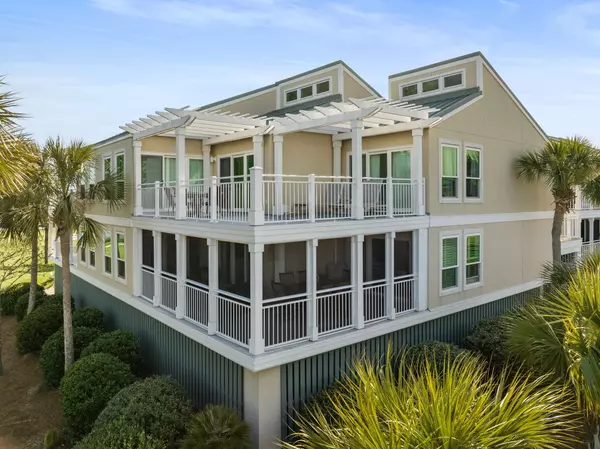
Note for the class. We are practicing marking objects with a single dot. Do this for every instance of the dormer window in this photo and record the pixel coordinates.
(447, 81)
(308, 91)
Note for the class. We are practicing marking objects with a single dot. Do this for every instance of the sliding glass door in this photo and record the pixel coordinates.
(236, 170)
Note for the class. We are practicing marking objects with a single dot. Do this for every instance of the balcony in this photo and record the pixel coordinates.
(262, 199)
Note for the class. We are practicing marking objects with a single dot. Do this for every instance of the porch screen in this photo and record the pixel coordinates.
(151, 169)
(449, 262)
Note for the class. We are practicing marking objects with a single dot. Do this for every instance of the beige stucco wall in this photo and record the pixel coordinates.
(470, 69)
(512, 255)
(353, 89)
(307, 153)
(496, 123)
(333, 74)
(259, 104)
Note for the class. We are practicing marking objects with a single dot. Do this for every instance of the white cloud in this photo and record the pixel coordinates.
(582, 20)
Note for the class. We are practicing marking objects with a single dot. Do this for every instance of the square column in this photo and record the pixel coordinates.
(358, 210)
(180, 203)
(258, 147)
(390, 309)
(213, 284)
(180, 309)
(137, 176)
(278, 170)
(416, 168)
(358, 306)
(337, 158)
(256, 216)
(311, 288)
(262, 406)
(420, 257)
(206, 164)
(257, 342)
(137, 261)
(157, 267)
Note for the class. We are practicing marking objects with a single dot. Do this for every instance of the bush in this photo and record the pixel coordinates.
(217, 427)
(88, 317)
(86, 388)
(117, 435)
(52, 357)
(322, 401)
(122, 344)
(10, 295)
(155, 405)
(436, 352)
(23, 302)
(489, 338)
(37, 327)
(52, 439)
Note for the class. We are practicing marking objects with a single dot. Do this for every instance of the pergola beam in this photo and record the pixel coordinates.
(171, 125)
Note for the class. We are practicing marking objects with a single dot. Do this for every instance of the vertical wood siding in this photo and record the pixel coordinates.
(206, 376)
(300, 380)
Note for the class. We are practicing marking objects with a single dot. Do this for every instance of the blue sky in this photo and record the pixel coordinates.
(85, 67)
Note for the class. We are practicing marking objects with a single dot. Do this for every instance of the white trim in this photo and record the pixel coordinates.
(447, 235)
(476, 147)
(458, 146)
(441, 89)
(244, 153)
(111, 220)
(429, 69)
(341, 84)
(111, 141)
(439, 221)
(479, 73)
(116, 255)
(456, 111)
(314, 94)
(390, 129)
(311, 75)
(571, 246)
(466, 234)
(104, 272)
(358, 80)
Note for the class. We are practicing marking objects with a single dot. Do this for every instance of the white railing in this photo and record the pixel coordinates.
(404, 293)
(168, 291)
(196, 303)
(374, 300)
(158, 199)
(147, 283)
(285, 320)
(333, 197)
(334, 309)
(571, 228)
(590, 247)
(197, 197)
(233, 201)
(233, 317)
(374, 198)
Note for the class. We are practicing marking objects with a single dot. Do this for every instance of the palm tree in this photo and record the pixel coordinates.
(22, 214)
(559, 334)
(558, 275)
(70, 201)
(453, 407)
(563, 165)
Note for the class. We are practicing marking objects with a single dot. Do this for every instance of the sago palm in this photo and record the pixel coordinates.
(72, 165)
(559, 334)
(563, 165)
(217, 427)
(456, 407)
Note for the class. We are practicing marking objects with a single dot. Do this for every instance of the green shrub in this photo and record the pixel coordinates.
(86, 388)
(122, 344)
(322, 401)
(23, 302)
(37, 327)
(155, 405)
(52, 357)
(88, 317)
(52, 439)
(217, 427)
(10, 295)
(436, 352)
(489, 338)
(117, 435)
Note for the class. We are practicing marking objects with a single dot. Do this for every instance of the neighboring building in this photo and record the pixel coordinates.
(581, 229)
(254, 264)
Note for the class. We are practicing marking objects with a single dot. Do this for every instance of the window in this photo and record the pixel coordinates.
(449, 171)
(412, 89)
(92, 255)
(196, 171)
(473, 173)
(120, 255)
(431, 85)
(450, 263)
(82, 254)
(106, 167)
(472, 259)
(453, 80)
(107, 248)
(120, 169)
(307, 91)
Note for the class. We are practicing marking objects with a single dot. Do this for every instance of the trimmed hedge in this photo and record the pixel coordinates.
(35, 329)
(118, 435)
(86, 388)
(52, 357)
(489, 338)
(88, 317)
(122, 344)
(10, 295)
(155, 405)
(23, 303)
(437, 352)
(217, 427)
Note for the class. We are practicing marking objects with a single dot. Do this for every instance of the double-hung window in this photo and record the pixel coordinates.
(472, 259)
(82, 255)
(106, 167)
(472, 173)
(120, 173)
(92, 256)
(450, 171)
(450, 262)
(120, 253)
(107, 248)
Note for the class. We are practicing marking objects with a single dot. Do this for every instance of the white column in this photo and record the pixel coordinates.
(257, 142)
(157, 267)
(137, 261)
(337, 158)
(180, 203)
(369, 256)
(262, 406)
(257, 213)
(422, 273)
(206, 164)
(358, 210)
(278, 170)
(257, 342)
(279, 265)
(213, 283)
(358, 307)
(137, 176)
(591, 230)
(416, 167)
(311, 287)
(181, 242)
(389, 275)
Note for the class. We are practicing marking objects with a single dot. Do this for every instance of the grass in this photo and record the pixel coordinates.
(15, 264)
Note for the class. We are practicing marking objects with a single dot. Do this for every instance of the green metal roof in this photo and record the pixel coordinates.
(306, 105)
(448, 102)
